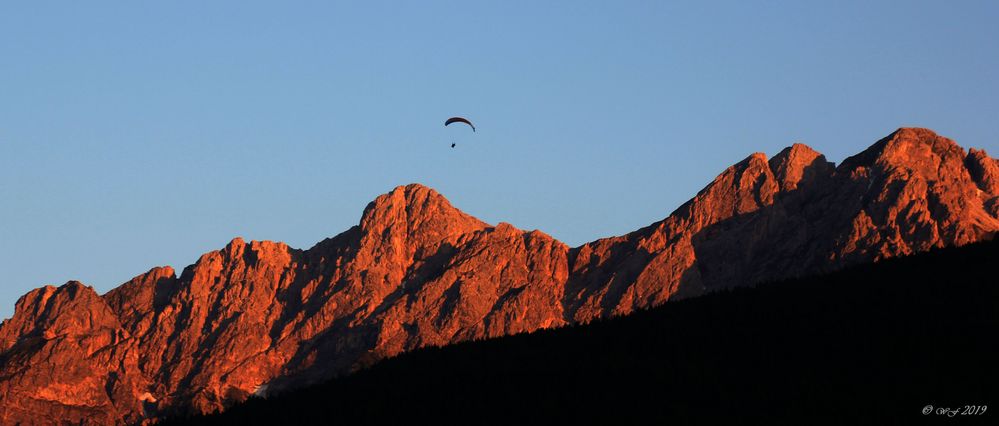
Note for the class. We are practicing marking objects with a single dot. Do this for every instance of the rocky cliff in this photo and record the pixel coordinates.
(260, 317)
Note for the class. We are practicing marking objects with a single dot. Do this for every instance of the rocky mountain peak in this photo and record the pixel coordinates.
(910, 151)
(799, 164)
(70, 309)
(137, 298)
(742, 188)
(411, 218)
(418, 208)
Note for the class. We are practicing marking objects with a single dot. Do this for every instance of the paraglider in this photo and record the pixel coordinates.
(458, 120)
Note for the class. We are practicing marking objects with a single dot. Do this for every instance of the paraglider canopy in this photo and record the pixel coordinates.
(459, 120)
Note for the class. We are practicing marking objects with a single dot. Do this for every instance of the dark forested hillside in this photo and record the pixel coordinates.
(872, 344)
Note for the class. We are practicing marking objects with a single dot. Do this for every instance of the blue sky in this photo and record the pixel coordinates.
(135, 135)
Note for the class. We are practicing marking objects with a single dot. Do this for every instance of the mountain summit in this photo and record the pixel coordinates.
(260, 317)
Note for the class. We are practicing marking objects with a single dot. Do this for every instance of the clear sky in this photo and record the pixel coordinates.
(135, 134)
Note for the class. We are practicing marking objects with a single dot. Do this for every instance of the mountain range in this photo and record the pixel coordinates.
(261, 318)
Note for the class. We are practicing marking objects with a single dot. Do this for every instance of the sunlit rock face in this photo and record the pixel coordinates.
(260, 317)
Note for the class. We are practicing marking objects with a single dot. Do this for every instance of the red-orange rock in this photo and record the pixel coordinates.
(64, 358)
(260, 317)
